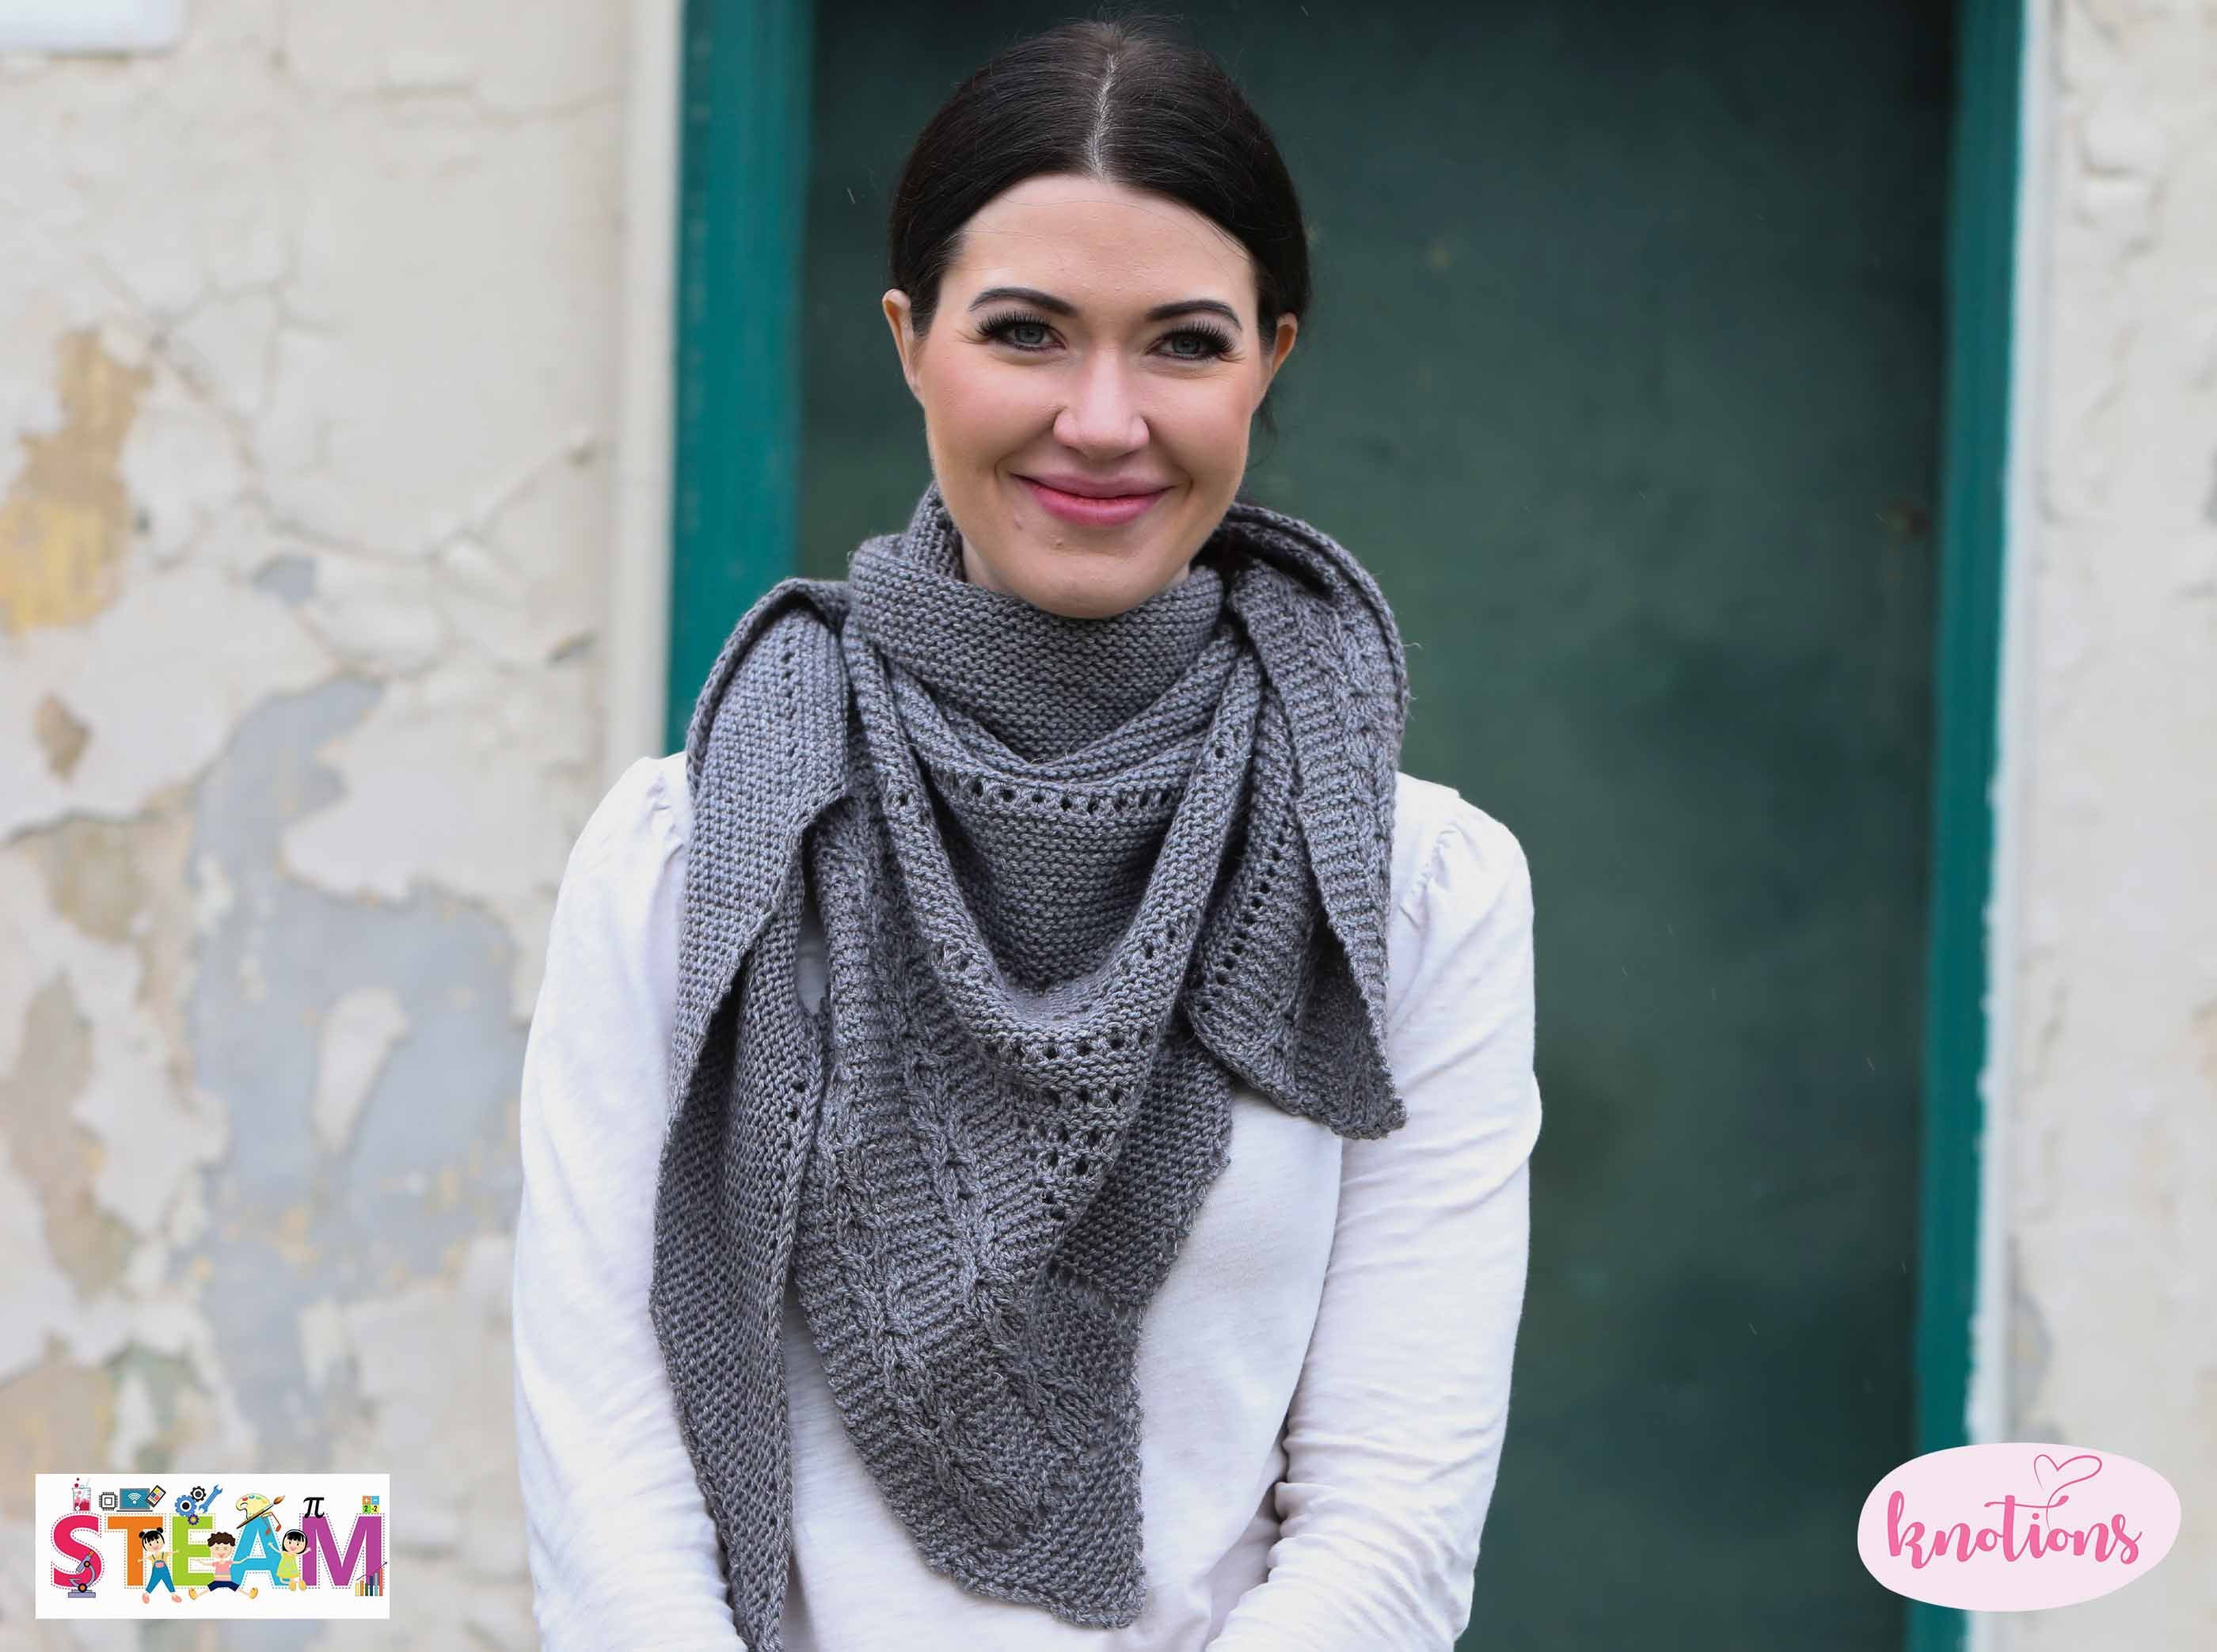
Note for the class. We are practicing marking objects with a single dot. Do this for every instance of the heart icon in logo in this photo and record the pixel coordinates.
(2053, 1476)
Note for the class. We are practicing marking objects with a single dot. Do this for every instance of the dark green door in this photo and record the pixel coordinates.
(1625, 376)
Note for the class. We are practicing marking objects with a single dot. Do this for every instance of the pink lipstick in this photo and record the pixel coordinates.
(1090, 512)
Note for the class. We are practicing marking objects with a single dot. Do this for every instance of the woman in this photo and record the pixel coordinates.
(1025, 1131)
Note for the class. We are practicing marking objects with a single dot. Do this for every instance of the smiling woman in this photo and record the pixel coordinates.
(1092, 1065)
(1087, 414)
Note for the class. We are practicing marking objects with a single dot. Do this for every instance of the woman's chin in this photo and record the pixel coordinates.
(1081, 587)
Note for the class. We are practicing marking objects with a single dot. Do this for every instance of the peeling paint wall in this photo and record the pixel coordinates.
(306, 383)
(2110, 1221)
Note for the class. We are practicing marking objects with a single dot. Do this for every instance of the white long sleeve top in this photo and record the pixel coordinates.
(1324, 1376)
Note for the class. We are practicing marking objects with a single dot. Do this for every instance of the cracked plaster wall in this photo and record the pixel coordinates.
(2111, 1086)
(306, 383)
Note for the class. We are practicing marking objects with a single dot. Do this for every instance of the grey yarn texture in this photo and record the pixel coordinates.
(1076, 878)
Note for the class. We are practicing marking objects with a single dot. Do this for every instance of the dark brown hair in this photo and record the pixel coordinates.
(1127, 102)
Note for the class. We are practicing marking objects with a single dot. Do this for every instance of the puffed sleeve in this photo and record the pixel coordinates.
(1395, 1432)
(621, 1549)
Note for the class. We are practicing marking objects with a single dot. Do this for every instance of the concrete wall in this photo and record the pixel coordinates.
(307, 384)
(2111, 1084)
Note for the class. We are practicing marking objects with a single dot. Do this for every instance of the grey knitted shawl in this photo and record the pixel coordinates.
(1075, 877)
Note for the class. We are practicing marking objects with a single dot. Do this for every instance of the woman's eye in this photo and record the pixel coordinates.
(1206, 342)
(1006, 330)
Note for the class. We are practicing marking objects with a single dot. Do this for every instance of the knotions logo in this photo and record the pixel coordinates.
(2015, 1528)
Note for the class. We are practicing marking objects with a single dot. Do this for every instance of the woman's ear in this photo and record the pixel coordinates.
(899, 317)
(1282, 347)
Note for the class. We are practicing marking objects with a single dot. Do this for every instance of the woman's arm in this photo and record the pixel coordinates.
(1393, 1435)
(622, 1552)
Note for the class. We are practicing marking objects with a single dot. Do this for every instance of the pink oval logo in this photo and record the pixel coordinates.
(2017, 1526)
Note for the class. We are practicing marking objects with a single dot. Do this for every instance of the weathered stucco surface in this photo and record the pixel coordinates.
(305, 386)
(2111, 1087)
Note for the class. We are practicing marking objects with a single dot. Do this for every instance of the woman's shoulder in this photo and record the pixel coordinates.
(1447, 849)
(646, 808)
(668, 795)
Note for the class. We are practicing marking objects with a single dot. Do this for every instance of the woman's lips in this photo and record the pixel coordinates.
(1092, 513)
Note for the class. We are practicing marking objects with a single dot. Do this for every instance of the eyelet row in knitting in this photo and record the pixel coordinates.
(1059, 1129)
(1054, 1047)
(1055, 1187)
(1244, 924)
(1068, 802)
(1049, 1175)
(1161, 937)
(1204, 996)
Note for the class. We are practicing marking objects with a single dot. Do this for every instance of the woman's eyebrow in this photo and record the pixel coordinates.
(1063, 307)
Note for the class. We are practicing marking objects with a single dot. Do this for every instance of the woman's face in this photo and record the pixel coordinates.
(1127, 366)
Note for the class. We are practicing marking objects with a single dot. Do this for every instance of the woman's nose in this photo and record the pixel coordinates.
(1104, 417)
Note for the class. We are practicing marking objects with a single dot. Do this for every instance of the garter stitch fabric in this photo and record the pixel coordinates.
(1076, 878)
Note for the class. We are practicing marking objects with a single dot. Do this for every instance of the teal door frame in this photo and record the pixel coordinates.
(744, 170)
(743, 184)
(1981, 267)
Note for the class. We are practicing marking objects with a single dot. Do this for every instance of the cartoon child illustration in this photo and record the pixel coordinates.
(222, 1545)
(288, 1568)
(154, 1553)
